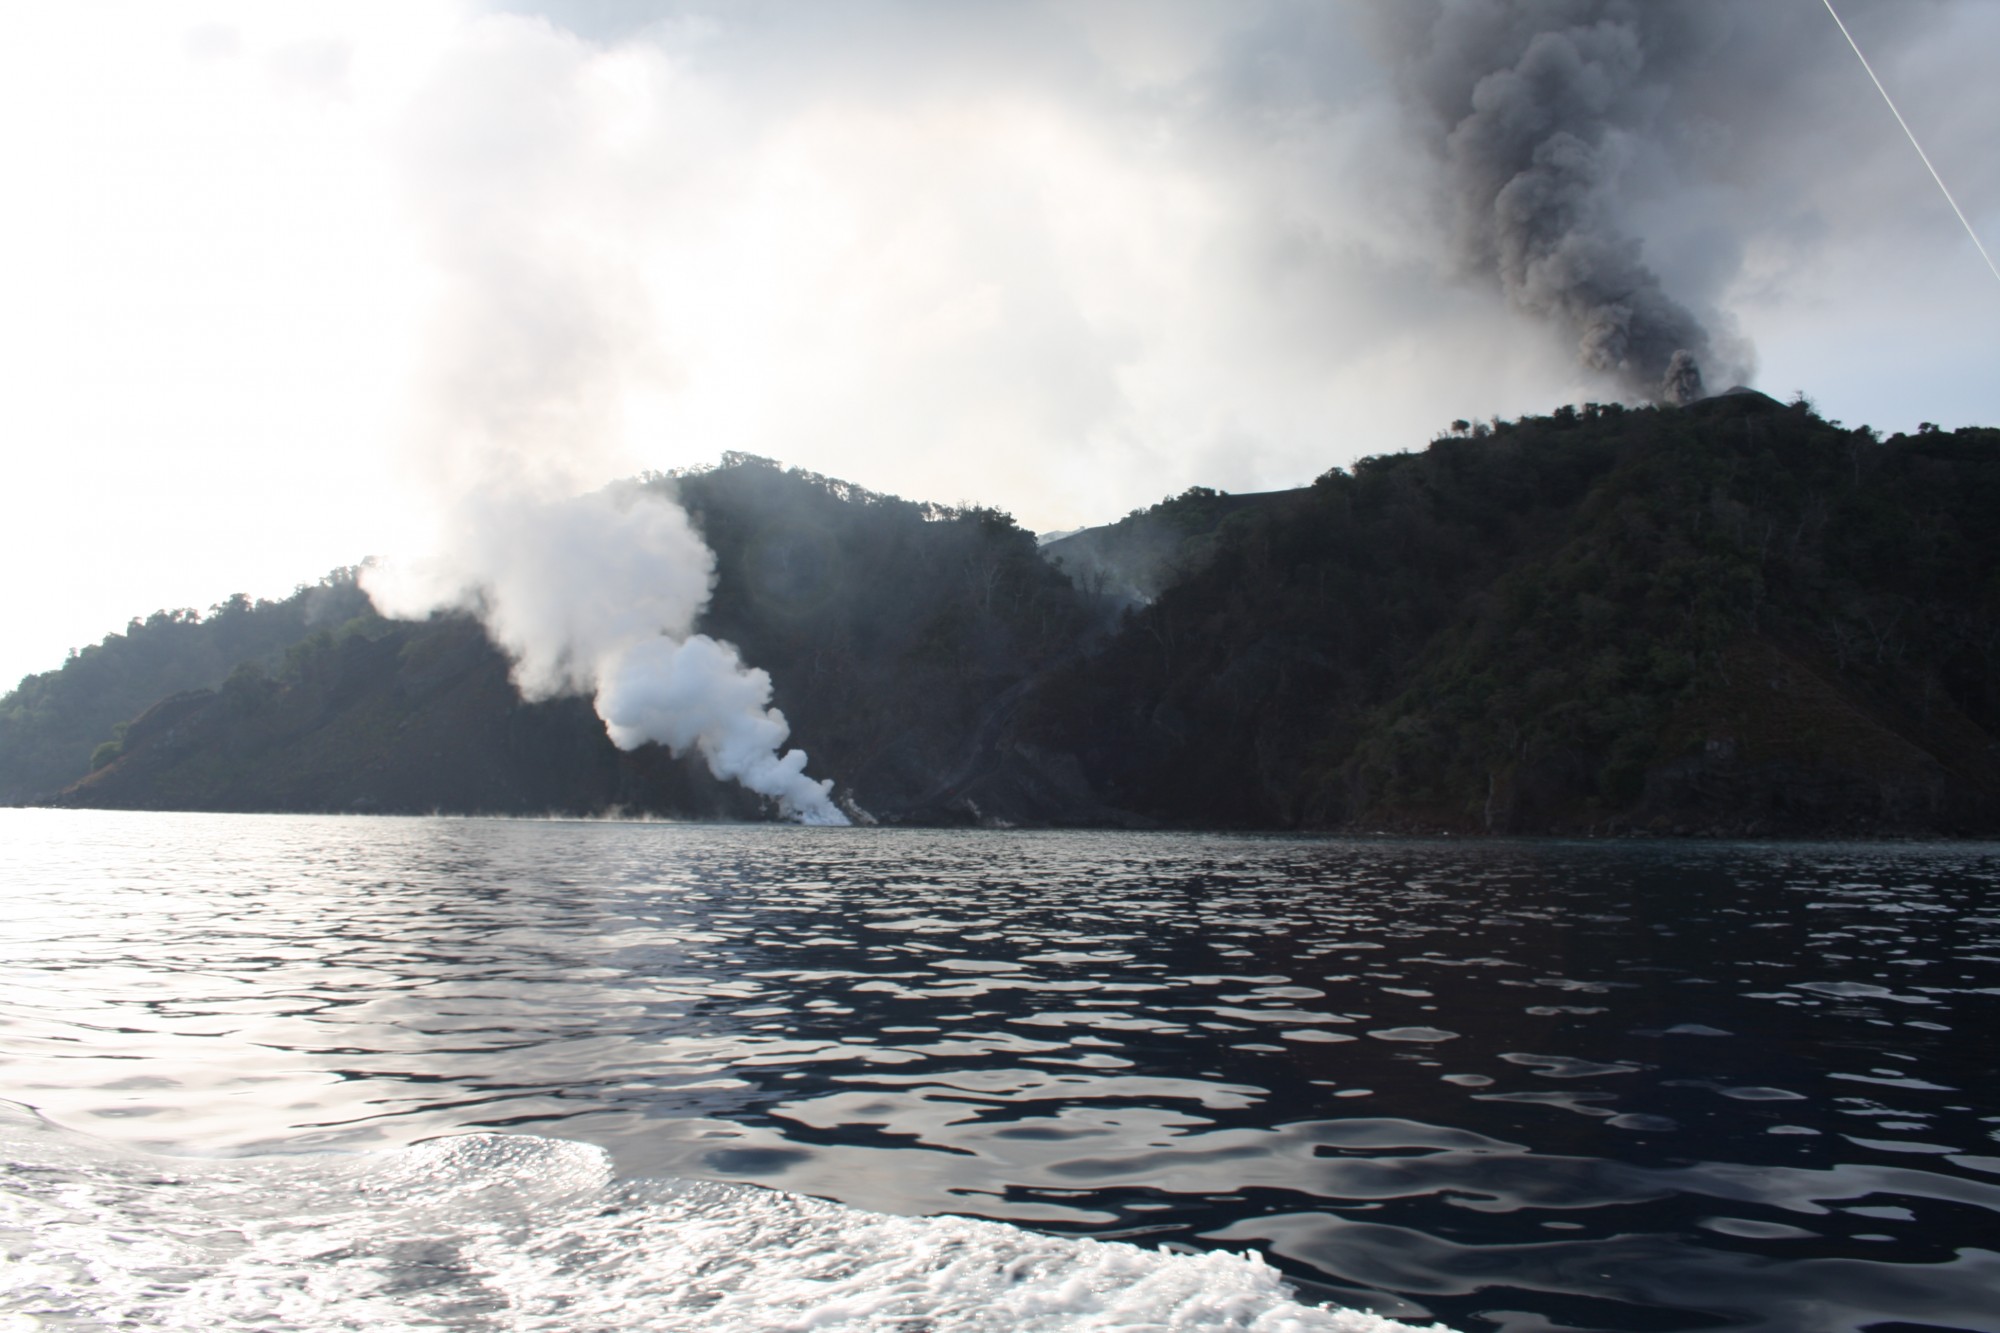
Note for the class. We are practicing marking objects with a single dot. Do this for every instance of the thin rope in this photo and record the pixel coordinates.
(1913, 140)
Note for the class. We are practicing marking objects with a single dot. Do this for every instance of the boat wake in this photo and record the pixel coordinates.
(518, 1233)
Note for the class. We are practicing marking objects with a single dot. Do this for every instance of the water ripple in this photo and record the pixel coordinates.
(1511, 1085)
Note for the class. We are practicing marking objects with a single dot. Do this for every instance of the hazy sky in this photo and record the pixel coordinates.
(270, 272)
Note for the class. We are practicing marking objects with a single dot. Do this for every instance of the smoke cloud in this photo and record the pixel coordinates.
(539, 342)
(598, 595)
(1062, 256)
(1538, 112)
(926, 233)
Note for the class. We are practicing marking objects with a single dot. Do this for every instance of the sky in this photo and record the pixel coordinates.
(280, 278)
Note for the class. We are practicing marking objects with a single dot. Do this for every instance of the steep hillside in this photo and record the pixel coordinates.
(1735, 617)
(1132, 561)
(53, 723)
(897, 635)
(390, 718)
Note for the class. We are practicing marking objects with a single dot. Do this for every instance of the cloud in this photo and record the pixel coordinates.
(1031, 253)
(1019, 255)
(1061, 257)
(526, 169)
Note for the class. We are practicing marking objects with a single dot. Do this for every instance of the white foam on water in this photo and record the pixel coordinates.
(534, 1235)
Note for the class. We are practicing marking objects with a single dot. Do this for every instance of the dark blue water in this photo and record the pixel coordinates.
(1520, 1086)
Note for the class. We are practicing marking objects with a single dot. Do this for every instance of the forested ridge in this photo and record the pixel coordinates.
(54, 723)
(1736, 617)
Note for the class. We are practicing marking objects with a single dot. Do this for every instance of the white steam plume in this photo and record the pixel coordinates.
(598, 595)
(539, 340)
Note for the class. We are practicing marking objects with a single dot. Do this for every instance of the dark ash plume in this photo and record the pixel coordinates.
(1534, 107)
(1682, 383)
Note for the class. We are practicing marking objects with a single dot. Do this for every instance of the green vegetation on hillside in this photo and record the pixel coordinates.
(58, 725)
(890, 628)
(1734, 617)
(1737, 614)
(1134, 560)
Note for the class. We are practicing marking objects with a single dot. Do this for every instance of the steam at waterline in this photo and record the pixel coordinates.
(598, 594)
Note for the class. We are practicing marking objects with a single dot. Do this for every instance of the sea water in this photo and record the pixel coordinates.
(329, 1073)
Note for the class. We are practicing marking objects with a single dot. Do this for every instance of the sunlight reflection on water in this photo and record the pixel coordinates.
(1598, 1082)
